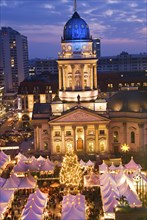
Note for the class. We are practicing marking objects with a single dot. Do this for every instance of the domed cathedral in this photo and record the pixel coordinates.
(77, 63)
(77, 116)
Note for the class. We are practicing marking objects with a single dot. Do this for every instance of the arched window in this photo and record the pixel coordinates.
(115, 136)
(132, 137)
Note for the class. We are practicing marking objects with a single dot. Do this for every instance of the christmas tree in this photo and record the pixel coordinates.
(71, 172)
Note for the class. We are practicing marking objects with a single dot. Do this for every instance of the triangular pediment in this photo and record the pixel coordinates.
(80, 115)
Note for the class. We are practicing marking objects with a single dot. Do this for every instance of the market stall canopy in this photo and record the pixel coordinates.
(132, 165)
(6, 195)
(103, 167)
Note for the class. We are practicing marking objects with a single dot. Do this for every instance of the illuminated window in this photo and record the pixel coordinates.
(102, 144)
(115, 136)
(58, 149)
(91, 147)
(110, 85)
(57, 133)
(144, 84)
(68, 133)
(45, 146)
(132, 137)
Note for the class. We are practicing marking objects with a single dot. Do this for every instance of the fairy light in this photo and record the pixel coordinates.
(71, 172)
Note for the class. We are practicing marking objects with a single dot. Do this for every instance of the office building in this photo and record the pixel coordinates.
(14, 58)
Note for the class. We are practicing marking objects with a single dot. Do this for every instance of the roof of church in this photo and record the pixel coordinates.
(76, 28)
(128, 101)
(41, 110)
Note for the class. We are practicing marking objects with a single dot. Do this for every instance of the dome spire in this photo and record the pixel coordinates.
(75, 5)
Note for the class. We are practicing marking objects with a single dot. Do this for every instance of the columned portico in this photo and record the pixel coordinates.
(96, 138)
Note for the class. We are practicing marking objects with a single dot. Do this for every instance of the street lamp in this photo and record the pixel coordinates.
(137, 179)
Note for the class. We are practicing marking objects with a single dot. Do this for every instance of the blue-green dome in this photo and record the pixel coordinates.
(76, 29)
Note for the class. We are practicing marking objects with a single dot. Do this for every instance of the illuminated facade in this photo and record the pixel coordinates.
(78, 117)
(14, 58)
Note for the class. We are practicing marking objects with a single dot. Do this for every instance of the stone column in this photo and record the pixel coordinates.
(95, 77)
(91, 77)
(85, 139)
(96, 138)
(51, 140)
(60, 77)
(64, 77)
(125, 132)
(107, 138)
(141, 135)
(25, 99)
(37, 139)
(74, 137)
(63, 139)
(73, 78)
(82, 76)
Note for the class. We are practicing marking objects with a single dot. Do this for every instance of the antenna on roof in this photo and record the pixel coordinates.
(75, 5)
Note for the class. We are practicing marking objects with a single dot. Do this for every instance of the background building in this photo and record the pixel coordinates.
(123, 62)
(96, 46)
(14, 58)
(46, 65)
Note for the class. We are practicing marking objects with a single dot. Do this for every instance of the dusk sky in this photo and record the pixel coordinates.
(121, 24)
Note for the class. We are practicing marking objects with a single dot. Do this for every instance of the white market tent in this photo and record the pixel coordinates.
(132, 165)
(27, 182)
(21, 167)
(73, 213)
(90, 163)
(103, 167)
(31, 215)
(120, 167)
(37, 202)
(91, 180)
(113, 187)
(112, 167)
(20, 156)
(47, 165)
(82, 163)
(6, 195)
(73, 207)
(12, 182)
(2, 181)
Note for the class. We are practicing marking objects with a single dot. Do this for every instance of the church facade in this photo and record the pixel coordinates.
(77, 116)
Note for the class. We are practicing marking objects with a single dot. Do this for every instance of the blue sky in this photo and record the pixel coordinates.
(121, 24)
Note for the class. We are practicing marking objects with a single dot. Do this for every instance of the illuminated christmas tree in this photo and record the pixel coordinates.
(71, 172)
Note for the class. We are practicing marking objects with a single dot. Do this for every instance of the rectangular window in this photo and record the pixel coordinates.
(68, 133)
(57, 133)
(102, 132)
(58, 149)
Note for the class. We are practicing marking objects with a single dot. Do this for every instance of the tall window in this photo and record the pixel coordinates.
(132, 137)
(45, 146)
(91, 147)
(115, 136)
(58, 148)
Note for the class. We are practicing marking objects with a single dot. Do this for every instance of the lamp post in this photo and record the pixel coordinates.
(137, 179)
(125, 148)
